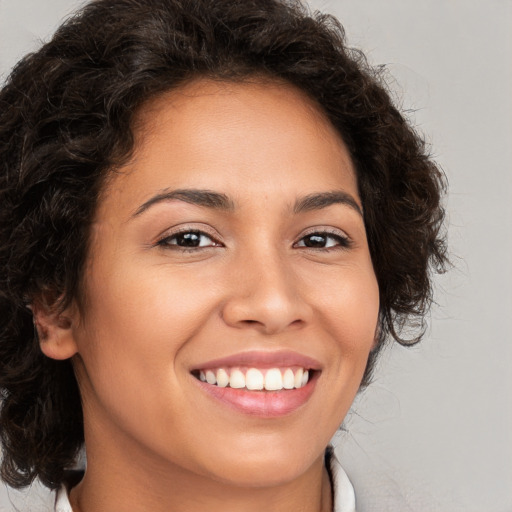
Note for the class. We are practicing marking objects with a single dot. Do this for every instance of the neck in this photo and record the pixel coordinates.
(126, 486)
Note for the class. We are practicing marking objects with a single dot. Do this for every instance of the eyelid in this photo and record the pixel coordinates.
(203, 230)
(328, 231)
(325, 230)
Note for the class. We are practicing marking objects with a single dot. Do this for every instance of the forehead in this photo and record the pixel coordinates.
(241, 95)
(237, 136)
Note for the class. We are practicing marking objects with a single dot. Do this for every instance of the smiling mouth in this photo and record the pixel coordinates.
(256, 379)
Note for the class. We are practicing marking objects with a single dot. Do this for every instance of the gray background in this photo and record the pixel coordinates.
(434, 431)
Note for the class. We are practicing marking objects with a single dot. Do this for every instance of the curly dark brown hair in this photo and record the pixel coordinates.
(66, 115)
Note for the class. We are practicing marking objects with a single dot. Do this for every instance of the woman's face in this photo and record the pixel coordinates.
(232, 248)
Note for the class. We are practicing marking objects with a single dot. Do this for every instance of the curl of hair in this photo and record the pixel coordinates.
(66, 115)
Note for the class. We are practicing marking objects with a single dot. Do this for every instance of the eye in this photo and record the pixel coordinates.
(191, 239)
(323, 240)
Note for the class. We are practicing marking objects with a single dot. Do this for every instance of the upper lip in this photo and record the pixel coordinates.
(262, 359)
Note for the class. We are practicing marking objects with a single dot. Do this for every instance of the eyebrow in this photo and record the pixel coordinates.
(206, 198)
(219, 201)
(317, 201)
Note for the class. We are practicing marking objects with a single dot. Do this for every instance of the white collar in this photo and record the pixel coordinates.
(343, 491)
(62, 501)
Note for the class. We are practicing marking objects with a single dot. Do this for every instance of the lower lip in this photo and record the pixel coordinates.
(265, 404)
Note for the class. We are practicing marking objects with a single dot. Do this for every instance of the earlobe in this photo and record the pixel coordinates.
(55, 330)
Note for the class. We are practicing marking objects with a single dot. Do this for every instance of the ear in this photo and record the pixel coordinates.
(55, 329)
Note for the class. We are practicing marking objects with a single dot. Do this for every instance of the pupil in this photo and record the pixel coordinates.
(189, 240)
(315, 241)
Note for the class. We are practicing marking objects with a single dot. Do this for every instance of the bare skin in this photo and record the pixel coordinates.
(281, 265)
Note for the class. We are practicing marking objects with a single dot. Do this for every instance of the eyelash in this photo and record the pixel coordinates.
(341, 241)
(165, 242)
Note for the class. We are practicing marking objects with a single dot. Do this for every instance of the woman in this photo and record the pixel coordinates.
(212, 219)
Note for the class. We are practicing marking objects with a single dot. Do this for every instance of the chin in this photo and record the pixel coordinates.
(266, 467)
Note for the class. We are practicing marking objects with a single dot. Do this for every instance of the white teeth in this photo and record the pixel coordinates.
(210, 377)
(254, 379)
(298, 378)
(288, 379)
(222, 378)
(273, 380)
(237, 379)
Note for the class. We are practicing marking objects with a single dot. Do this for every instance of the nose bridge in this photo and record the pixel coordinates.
(265, 292)
(271, 280)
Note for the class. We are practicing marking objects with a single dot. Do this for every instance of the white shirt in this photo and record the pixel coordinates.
(344, 497)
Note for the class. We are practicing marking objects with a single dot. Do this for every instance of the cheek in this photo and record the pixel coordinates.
(130, 340)
(347, 314)
(144, 313)
(350, 318)
(351, 308)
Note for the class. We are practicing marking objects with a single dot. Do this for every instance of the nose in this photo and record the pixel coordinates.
(266, 296)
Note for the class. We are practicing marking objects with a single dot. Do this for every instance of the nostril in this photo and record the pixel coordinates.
(266, 314)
